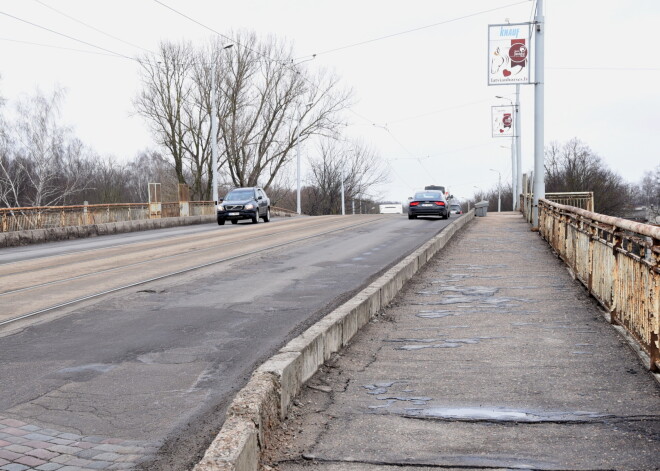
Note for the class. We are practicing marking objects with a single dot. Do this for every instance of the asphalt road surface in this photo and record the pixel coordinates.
(97, 358)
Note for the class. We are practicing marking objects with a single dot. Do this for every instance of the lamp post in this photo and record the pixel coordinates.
(300, 117)
(499, 189)
(515, 156)
(214, 130)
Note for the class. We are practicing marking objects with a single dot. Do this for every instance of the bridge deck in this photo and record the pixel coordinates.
(493, 357)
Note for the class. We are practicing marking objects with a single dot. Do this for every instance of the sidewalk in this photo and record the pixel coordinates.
(491, 358)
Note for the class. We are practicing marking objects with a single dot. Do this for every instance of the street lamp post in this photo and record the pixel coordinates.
(214, 130)
(515, 156)
(499, 189)
(300, 116)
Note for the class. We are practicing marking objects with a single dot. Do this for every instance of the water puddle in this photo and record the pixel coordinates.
(414, 344)
(465, 291)
(468, 266)
(496, 414)
(379, 388)
(436, 314)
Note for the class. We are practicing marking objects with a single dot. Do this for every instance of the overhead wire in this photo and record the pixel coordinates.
(91, 27)
(413, 30)
(60, 47)
(68, 37)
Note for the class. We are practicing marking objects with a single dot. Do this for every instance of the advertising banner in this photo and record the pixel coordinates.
(502, 119)
(508, 54)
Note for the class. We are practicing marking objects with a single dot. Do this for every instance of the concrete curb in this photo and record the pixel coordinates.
(38, 236)
(264, 402)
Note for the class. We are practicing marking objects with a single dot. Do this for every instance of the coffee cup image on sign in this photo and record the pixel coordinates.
(503, 123)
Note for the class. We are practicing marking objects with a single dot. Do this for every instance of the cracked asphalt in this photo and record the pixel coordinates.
(140, 379)
(492, 357)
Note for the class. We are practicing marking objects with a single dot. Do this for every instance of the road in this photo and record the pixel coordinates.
(150, 366)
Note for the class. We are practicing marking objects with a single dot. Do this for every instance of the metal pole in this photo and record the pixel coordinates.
(343, 202)
(298, 172)
(214, 135)
(499, 192)
(514, 180)
(518, 151)
(539, 170)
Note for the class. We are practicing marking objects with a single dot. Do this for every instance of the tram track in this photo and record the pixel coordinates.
(213, 246)
(18, 316)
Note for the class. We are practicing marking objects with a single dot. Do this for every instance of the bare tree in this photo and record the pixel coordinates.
(268, 105)
(165, 99)
(48, 162)
(356, 164)
(573, 166)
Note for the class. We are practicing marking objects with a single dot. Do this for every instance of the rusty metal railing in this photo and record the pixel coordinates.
(619, 263)
(577, 199)
(44, 217)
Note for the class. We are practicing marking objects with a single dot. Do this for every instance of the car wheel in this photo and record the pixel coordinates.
(255, 218)
(234, 221)
(221, 222)
(266, 218)
(410, 216)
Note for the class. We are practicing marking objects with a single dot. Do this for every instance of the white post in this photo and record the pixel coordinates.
(516, 205)
(343, 202)
(214, 135)
(499, 192)
(298, 209)
(539, 170)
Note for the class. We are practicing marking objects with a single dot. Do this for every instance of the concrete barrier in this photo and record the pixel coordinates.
(38, 236)
(258, 408)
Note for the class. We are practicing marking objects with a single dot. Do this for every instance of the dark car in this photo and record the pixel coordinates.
(428, 203)
(244, 203)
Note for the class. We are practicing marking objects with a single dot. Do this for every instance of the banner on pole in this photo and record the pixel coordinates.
(502, 119)
(508, 54)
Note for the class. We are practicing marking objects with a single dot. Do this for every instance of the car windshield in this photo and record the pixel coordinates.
(429, 195)
(239, 195)
(455, 206)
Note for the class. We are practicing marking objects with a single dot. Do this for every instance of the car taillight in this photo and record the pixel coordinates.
(439, 203)
(414, 203)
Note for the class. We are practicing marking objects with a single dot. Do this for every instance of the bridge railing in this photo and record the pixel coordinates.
(44, 217)
(578, 199)
(617, 260)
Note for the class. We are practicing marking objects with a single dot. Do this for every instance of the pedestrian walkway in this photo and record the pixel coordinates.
(492, 357)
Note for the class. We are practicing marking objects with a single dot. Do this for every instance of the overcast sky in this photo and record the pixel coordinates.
(422, 99)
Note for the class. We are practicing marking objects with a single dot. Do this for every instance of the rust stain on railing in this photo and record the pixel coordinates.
(617, 260)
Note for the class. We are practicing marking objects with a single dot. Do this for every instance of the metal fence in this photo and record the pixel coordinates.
(577, 199)
(44, 217)
(617, 260)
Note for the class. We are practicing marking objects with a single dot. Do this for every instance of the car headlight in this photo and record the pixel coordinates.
(221, 207)
(249, 206)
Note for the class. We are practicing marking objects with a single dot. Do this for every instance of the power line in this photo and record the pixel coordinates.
(60, 47)
(91, 27)
(67, 36)
(361, 43)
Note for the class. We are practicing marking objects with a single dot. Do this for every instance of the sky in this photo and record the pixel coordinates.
(417, 68)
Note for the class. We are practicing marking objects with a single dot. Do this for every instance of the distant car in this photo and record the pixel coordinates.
(455, 208)
(390, 209)
(428, 203)
(244, 203)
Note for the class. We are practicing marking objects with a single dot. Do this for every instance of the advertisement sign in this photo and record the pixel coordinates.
(502, 119)
(508, 54)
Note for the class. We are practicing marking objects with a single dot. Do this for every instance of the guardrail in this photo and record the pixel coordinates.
(577, 199)
(45, 217)
(617, 260)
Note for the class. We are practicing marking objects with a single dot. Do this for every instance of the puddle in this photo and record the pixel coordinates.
(495, 414)
(471, 299)
(468, 266)
(414, 340)
(357, 259)
(446, 343)
(418, 401)
(379, 388)
(435, 314)
(581, 353)
(84, 373)
(465, 291)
